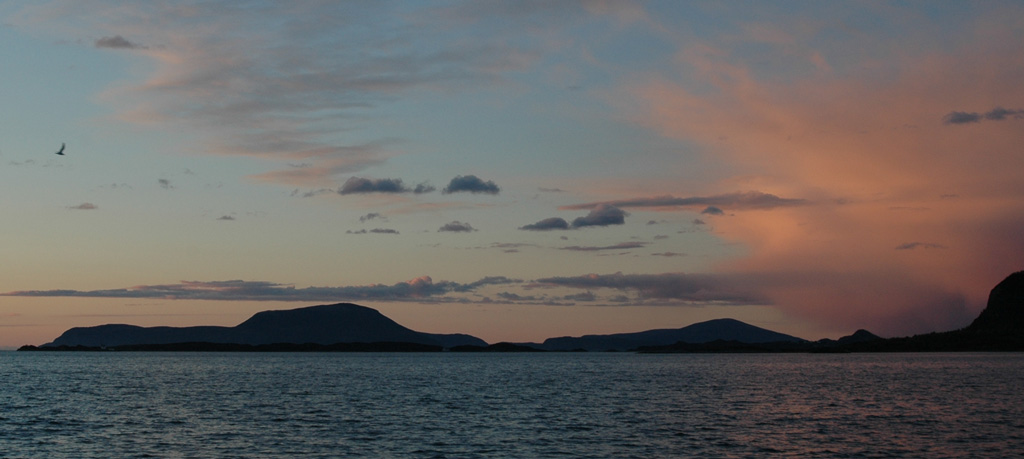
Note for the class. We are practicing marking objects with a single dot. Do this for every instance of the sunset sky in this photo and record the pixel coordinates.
(511, 170)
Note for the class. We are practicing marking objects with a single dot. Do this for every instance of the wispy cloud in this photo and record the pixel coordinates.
(746, 200)
(695, 288)
(318, 74)
(619, 246)
(117, 42)
(996, 114)
(373, 231)
(919, 245)
(418, 289)
(84, 206)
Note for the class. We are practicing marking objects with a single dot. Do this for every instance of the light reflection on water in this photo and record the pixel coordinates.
(510, 405)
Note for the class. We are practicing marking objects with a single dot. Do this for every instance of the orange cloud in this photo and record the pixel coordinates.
(872, 150)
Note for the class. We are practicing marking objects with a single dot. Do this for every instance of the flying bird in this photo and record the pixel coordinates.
(61, 151)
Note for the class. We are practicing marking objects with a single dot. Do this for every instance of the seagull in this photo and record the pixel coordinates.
(61, 151)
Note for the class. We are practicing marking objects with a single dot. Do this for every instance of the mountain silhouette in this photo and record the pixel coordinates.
(325, 325)
(346, 326)
(702, 332)
(1004, 312)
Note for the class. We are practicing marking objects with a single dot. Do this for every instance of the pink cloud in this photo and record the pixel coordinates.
(869, 147)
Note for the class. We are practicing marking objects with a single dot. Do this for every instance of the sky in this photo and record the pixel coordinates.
(511, 170)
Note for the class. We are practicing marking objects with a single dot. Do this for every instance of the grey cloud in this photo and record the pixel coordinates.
(490, 280)
(747, 200)
(226, 218)
(374, 231)
(360, 185)
(712, 210)
(509, 296)
(312, 193)
(919, 245)
(698, 221)
(423, 188)
(471, 184)
(547, 224)
(419, 289)
(84, 206)
(695, 288)
(601, 215)
(457, 227)
(961, 118)
(117, 42)
(582, 296)
(619, 246)
(165, 184)
(371, 216)
(1000, 113)
(669, 254)
(996, 114)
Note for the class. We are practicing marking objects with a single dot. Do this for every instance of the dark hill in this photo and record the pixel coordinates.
(328, 324)
(1004, 312)
(703, 332)
(999, 327)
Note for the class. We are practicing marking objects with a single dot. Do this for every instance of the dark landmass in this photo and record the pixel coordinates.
(346, 327)
(703, 332)
(315, 325)
(231, 347)
(497, 347)
(999, 327)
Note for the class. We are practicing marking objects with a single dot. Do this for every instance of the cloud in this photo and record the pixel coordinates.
(996, 114)
(289, 84)
(547, 224)
(359, 185)
(692, 288)
(582, 296)
(601, 215)
(712, 210)
(423, 188)
(472, 184)
(84, 206)
(457, 227)
(165, 184)
(371, 216)
(669, 254)
(619, 246)
(117, 42)
(919, 245)
(312, 193)
(830, 260)
(746, 200)
(226, 218)
(373, 231)
(418, 289)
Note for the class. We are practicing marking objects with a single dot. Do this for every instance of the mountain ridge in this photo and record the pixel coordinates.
(999, 327)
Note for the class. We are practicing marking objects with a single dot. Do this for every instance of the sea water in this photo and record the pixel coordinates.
(510, 405)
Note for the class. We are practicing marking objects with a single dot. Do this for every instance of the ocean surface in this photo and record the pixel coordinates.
(510, 405)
